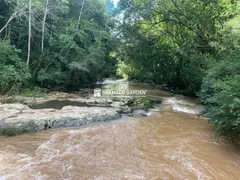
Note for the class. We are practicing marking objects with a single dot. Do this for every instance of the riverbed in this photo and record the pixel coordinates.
(174, 143)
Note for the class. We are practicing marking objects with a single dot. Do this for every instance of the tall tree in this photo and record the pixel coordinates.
(29, 31)
(44, 24)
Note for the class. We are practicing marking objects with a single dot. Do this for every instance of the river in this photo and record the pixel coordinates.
(173, 143)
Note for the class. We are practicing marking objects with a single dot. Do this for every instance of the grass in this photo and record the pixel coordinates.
(34, 92)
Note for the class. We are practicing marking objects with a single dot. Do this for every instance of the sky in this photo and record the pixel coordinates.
(115, 2)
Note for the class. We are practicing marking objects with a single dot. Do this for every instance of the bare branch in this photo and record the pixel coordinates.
(14, 15)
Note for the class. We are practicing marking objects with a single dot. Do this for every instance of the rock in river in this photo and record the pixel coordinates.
(16, 115)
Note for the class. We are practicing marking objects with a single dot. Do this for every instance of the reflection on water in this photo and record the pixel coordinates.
(165, 145)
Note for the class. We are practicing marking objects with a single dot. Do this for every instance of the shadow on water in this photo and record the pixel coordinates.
(59, 104)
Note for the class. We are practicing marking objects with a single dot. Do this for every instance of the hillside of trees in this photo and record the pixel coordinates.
(190, 46)
(49, 43)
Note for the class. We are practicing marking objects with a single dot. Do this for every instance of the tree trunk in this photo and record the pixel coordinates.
(80, 14)
(17, 10)
(183, 79)
(10, 19)
(43, 25)
(8, 34)
(29, 31)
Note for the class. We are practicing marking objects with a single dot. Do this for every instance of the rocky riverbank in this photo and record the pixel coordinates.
(75, 110)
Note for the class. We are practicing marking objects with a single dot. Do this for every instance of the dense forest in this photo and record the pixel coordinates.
(190, 46)
(51, 43)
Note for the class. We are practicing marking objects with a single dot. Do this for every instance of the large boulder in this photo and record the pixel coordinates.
(17, 116)
(11, 110)
(13, 107)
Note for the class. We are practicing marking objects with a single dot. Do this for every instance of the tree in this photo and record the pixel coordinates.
(43, 24)
(66, 43)
(220, 95)
(29, 31)
(18, 11)
(220, 88)
(13, 72)
(172, 38)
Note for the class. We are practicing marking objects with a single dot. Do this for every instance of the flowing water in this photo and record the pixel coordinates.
(171, 144)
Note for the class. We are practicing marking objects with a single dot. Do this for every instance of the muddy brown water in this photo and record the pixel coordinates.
(171, 144)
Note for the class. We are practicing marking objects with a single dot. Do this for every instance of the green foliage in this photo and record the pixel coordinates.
(220, 89)
(81, 57)
(29, 127)
(77, 44)
(13, 72)
(124, 4)
(148, 103)
(168, 42)
(32, 92)
(140, 102)
(220, 95)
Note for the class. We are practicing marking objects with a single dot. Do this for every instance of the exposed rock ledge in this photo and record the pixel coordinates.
(16, 115)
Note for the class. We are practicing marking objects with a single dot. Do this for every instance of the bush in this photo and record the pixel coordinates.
(35, 92)
(220, 95)
(13, 72)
